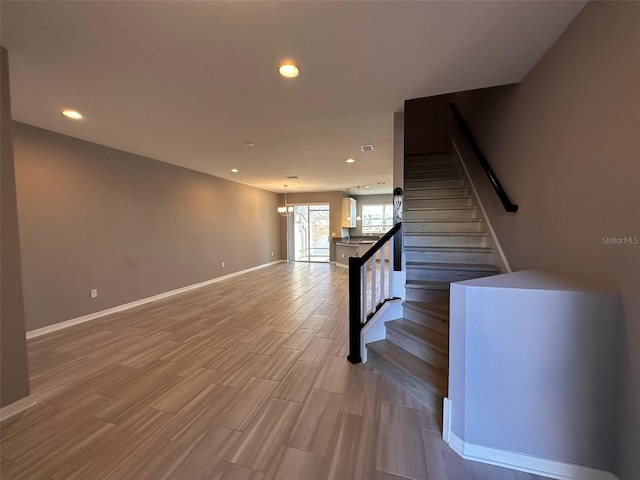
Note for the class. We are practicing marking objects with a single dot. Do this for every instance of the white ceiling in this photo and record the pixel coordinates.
(189, 82)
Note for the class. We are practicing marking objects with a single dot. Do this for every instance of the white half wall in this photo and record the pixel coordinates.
(534, 363)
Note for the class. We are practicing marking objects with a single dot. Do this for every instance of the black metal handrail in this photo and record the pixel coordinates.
(355, 299)
(504, 198)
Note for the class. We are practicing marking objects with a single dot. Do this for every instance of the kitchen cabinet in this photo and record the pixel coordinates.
(349, 212)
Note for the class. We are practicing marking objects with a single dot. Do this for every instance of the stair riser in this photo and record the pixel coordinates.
(442, 227)
(435, 324)
(420, 349)
(410, 169)
(432, 161)
(433, 166)
(424, 295)
(453, 182)
(449, 257)
(414, 387)
(445, 241)
(436, 192)
(439, 202)
(439, 275)
(433, 174)
(455, 214)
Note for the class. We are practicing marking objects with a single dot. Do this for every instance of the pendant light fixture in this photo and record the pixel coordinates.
(285, 210)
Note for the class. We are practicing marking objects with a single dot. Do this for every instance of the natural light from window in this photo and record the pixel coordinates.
(377, 218)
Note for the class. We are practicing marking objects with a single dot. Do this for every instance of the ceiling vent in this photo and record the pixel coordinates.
(293, 177)
(366, 148)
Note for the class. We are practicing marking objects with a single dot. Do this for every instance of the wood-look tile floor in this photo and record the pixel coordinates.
(243, 379)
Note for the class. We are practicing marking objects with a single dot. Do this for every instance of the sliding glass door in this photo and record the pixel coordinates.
(311, 233)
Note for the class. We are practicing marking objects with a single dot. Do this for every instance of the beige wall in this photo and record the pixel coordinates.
(14, 371)
(334, 199)
(92, 217)
(398, 150)
(565, 144)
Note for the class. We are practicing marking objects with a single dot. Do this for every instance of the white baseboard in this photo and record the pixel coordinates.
(92, 316)
(341, 265)
(16, 407)
(446, 419)
(518, 461)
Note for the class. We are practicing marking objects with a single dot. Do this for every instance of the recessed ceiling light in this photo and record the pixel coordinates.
(350, 160)
(249, 144)
(234, 170)
(289, 70)
(72, 114)
(367, 186)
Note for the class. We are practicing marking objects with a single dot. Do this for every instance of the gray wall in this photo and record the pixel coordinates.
(565, 145)
(93, 217)
(14, 370)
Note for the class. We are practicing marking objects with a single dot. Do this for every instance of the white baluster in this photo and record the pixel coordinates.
(363, 313)
(391, 265)
(382, 274)
(374, 285)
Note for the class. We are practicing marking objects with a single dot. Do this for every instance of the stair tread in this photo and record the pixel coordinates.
(446, 220)
(427, 155)
(436, 341)
(427, 284)
(419, 184)
(438, 310)
(441, 197)
(417, 173)
(426, 175)
(431, 209)
(434, 187)
(435, 176)
(426, 373)
(482, 267)
(446, 160)
(446, 234)
(421, 167)
(412, 160)
(418, 248)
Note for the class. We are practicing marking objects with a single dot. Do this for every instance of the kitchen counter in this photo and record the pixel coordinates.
(351, 248)
(356, 242)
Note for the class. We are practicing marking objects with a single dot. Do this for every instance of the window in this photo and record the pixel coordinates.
(377, 218)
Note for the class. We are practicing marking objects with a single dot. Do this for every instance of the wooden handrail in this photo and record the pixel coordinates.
(504, 198)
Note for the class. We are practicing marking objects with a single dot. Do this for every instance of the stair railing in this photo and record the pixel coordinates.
(504, 198)
(370, 286)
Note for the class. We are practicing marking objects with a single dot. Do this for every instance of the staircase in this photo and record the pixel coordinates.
(445, 240)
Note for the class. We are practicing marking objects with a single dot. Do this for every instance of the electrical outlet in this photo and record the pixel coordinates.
(222, 264)
(343, 255)
(94, 293)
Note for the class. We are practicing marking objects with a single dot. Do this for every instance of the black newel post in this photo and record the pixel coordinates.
(354, 311)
